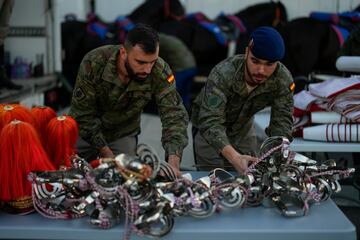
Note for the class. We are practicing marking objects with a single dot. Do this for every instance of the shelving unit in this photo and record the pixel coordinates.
(32, 92)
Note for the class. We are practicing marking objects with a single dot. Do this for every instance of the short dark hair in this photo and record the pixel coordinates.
(142, 35)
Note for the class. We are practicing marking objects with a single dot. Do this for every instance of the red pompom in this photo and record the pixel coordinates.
(9, 112)
(62, 134)
(42, 116)
(20, 153)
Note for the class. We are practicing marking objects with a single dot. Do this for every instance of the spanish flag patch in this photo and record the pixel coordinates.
(171, 78)
(292, 87)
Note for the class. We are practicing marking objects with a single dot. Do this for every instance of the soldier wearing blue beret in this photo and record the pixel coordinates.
(236, 89)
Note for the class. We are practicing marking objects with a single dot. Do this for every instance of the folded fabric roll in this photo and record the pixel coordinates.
(328, 117)
(347, 104)
(348, 63)
(333, 87)
(333, 133)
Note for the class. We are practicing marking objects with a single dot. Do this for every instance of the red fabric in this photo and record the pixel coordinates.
(62, 134)
(299, 112)
(316, 108)
(21, 152)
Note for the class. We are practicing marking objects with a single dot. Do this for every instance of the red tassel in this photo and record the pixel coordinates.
(62, 134)
(42, 116)
(9, 112)
(20, 152)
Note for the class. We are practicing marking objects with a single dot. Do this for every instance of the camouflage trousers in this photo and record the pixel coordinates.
(207, 158)
(127, 145)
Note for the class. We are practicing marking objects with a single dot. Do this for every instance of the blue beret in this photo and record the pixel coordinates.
(267, 44)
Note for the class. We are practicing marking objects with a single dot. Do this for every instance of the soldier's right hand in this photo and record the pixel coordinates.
(239, 161)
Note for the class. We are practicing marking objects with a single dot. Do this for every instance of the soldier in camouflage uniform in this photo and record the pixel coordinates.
(113, 86)
(236, 89)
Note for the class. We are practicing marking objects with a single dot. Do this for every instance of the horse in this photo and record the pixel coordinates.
(199, 33)
(155, 12)
(167, 16)
(312, 45)
(203, 43)
(263, 14)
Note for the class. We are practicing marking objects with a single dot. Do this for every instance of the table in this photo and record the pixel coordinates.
(299, 144)
(325, 221)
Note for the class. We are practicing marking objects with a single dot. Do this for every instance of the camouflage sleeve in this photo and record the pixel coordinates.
(83, 106)
(173, 115)
(281, 120)
(212, 112)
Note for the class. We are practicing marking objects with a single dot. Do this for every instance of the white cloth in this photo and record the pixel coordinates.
(333, 87)
(303, 100)
(347, 104)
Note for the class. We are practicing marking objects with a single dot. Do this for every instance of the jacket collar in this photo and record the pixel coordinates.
(110, 74)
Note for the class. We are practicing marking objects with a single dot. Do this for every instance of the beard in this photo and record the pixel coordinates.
(251, 81)
(132, 75)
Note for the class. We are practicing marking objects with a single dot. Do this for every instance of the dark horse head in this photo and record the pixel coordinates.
(154, 12)
(263, 14)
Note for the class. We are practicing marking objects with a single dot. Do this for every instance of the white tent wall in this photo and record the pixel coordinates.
(110, 9)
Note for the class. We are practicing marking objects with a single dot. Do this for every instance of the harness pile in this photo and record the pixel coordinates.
(146, 193)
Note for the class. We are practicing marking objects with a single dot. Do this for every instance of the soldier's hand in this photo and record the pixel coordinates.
(106, 152)
(174, 162)
(239, 161)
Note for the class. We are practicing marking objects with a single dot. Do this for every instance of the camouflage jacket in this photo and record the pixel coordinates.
(107, 109)
(223, 111)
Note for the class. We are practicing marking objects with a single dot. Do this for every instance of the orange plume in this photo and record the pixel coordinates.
(9, 112)
(62, 134)
(42, 116)
(20, 153)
